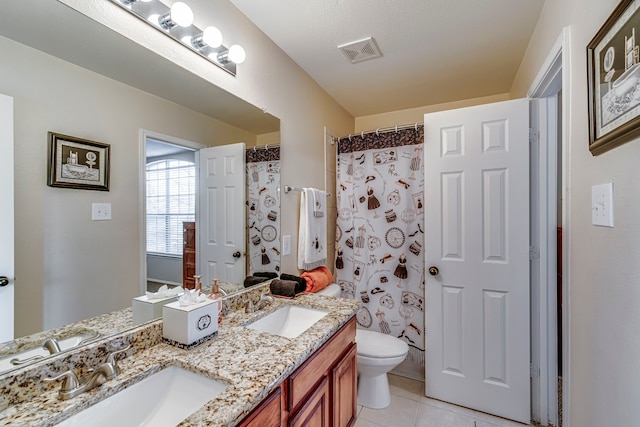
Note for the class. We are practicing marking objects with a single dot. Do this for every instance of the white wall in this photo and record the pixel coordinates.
(605, 286)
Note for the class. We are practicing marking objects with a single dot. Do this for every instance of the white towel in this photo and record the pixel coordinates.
(312, 234)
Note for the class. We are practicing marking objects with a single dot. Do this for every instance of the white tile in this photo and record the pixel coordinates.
(406, 387)
(433, 416)
(400, 413)
(448, 406)
(487, 420)
(360, 422)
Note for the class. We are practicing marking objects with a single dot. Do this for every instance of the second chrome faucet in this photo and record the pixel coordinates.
(72, 386)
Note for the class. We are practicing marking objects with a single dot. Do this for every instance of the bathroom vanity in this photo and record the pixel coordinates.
(268, 379)
(321, 392)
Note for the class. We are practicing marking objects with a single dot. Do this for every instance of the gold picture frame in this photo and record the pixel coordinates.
(613, 67)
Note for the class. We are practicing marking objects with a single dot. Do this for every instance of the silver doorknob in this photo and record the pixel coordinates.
(4, 281)
(434, 271)
(237, 254)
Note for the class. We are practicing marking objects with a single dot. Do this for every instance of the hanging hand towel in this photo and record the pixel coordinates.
(319, 199)
(312, 234)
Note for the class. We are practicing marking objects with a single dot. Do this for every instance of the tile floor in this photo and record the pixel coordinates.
(409, 407)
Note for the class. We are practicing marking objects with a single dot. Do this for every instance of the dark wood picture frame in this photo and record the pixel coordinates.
(613, 67)
(77, 163)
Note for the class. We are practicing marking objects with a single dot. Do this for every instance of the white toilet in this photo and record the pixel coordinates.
(378, 354)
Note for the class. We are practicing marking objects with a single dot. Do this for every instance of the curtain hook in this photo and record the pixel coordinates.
(362, 134)
(266, 147)
(396, 128)
(377, 133)
(416, 126)
(349, 137)
(254, 149)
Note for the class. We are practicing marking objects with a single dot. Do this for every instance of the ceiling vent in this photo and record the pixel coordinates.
(359, 51)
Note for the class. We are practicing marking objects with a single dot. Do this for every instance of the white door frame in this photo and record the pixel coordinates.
(142, 190)
(7, 246)
(553, 76)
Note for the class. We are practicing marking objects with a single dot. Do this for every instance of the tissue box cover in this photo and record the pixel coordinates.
(187, 327)
(145, 309)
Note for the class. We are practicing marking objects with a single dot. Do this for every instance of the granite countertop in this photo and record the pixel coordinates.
(251, 371)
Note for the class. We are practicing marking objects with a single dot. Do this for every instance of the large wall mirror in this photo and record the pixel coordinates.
(69, 74)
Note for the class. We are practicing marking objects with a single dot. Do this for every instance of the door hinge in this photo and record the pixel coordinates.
(533, 136)
(534, 253)
(534, 370)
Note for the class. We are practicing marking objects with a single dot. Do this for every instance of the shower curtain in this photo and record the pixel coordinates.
(379, 235)
(263, 205)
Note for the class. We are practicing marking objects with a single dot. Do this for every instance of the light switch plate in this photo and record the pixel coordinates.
(286, 245)
(602, 205)
(101, 211)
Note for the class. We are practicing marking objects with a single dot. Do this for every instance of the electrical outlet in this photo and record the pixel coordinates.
(101, 211)
(286, 245)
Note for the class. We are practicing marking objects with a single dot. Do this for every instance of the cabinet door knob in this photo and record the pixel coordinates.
(4, 281)
(433, 270)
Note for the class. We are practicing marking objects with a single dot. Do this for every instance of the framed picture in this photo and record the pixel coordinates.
(77, 163)
(613, 61)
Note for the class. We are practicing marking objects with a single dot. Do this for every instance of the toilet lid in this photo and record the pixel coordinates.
(375, 344)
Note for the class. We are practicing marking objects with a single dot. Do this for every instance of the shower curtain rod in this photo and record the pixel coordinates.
(378, 131)
(262, 147)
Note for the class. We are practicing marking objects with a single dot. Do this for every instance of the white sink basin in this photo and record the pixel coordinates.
(162, 399)
(288, 321)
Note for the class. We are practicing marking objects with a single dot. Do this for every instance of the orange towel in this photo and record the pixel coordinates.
(317, 279)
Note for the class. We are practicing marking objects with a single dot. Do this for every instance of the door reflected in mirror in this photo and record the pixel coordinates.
(171, 192)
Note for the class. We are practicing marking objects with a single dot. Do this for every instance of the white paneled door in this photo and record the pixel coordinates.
(221, 237)
(6, 219)
(477, 241)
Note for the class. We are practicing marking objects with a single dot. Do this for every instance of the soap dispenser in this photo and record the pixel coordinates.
(198, 285)
(216, 295)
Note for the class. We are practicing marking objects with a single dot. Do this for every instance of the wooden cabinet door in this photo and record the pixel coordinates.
(315, 412)
(267, 414)
(189, 255)
(344, 377)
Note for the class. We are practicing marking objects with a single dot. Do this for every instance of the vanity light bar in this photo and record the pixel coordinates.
(176, 22)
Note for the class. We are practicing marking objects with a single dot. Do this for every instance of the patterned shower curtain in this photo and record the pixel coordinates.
(379, 234)
(263, 205)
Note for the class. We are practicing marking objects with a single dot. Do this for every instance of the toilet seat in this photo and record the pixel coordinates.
(377, 345)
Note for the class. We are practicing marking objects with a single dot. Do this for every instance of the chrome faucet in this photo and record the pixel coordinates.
(51, 345)
(264, 300)
(72, 386)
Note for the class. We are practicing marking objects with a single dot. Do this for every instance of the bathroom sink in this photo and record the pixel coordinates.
(288, 321)
(162, 399)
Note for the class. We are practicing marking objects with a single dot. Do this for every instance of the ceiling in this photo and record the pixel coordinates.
(433, 51)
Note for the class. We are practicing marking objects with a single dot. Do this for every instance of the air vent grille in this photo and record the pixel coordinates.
(361, 50)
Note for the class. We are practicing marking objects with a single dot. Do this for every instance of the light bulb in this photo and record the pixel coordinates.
(181, 14)
(212, 36)
(237, 54)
